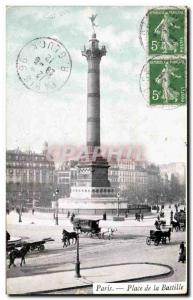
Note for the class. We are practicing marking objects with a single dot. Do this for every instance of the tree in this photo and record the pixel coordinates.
(176, 191)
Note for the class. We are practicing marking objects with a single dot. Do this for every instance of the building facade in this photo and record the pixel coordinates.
(66, 177)
(138, 182)
(29, 178)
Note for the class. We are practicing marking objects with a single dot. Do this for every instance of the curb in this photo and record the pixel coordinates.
(163, 275)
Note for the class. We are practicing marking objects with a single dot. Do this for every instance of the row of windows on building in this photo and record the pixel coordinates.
(31, 180)
(127, 173)
(95, 190)
(11, 172)
(122, 175)
(36, 178)
(64, 180)
(129, 180)
(27, 165)
(127, 166)
(26, 157)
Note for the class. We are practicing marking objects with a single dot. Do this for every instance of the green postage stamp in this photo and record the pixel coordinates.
(167, 81)
(167, 55)
(167, 31)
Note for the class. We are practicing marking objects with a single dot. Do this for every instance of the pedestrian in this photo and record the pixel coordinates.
(72, 217)
(141, 217)
(157, 225)
(104, 216)
(7, 236)
(182, 253)
(33, 210)
(171, 216)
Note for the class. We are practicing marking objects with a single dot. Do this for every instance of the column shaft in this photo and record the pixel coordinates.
(93, 102)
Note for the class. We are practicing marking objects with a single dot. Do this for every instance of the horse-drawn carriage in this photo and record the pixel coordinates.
(158, 236)
(88, 226)
(16, 248)
(39, 245)
(92, 229)
(16, 243)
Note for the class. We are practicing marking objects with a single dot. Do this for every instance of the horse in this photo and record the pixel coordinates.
(16, 253)
(69, 236)
(167, 234)
(109, 232)
(175, 225)
(65, 241)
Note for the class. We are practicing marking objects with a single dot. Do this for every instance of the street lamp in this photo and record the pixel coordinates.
(20, 207)
(54, 202)
(21, 198)
(77, 264)
(56, 193)
(33, 205)
(7, 207)
(118, 195)
(157, 203)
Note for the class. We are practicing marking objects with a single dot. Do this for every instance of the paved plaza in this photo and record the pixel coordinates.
(126, 257)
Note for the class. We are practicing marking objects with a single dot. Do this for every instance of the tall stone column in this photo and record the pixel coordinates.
(93, 55)
(93, 169)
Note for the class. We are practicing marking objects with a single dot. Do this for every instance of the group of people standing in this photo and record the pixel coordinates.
(138, 217)
(72, 216)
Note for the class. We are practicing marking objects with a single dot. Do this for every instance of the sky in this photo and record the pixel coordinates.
(60, 117)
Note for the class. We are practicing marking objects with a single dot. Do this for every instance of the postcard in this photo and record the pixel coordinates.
(96, 150)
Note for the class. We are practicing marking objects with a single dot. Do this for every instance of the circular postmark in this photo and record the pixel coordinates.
(44, 65)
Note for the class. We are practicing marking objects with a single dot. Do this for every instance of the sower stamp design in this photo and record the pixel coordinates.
(43, 65)
(167, 80)
(167, 31)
